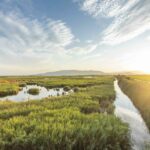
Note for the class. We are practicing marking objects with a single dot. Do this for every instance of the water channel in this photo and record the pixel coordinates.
(128, 113)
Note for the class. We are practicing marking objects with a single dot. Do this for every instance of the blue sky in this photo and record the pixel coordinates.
(40, 36)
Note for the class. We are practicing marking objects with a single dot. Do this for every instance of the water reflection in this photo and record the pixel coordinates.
(128, 113)
(23, 95)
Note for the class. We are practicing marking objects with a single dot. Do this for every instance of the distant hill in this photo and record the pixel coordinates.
(72, 73)
(87, 72)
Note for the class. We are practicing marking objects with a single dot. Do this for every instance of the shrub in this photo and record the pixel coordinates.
(67, 88)
(76, 89)
(22, 84)
(34, 91)
(90, 108)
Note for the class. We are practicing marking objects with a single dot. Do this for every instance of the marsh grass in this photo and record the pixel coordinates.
(8, 89)
(70, 122)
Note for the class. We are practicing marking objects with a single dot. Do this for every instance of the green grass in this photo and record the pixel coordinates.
(141, 77)
(71, 122)
(64, 129)
(52, 82)
(7, 88)
(139, 92)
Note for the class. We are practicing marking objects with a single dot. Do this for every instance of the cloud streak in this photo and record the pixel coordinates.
(22, 35)
(130, 18)
(29, 44)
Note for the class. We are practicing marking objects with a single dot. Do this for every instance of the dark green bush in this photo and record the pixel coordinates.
(90, 108)
(33, 91)
(22, 84)
(76, 89)
(67, 88)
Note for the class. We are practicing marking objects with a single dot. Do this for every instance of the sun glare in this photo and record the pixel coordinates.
(140, 62)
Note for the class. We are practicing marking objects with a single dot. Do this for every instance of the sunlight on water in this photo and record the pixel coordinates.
(128, 113)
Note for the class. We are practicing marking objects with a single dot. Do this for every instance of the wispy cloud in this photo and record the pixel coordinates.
(107, 8)
(130, 17)
(29, 44)
(23, 35)
(129, 25)
(25, 41)
(62, 33)
(83, 50)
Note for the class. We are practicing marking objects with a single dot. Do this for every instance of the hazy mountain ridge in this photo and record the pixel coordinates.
(72, 72)
(86, 72)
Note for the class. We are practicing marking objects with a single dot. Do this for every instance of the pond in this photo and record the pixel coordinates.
(128, 113)
(23, 95)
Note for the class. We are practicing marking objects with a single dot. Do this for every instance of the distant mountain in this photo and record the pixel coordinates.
(87, 72)
(72, 73)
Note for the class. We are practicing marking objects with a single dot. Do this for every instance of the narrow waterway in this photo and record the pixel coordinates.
(23, 95)
(128, 113)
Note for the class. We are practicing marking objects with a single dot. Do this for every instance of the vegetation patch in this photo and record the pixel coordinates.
(63, 129)
(33, 91)
(62, 81)
(22, 84)
(76, 89)
(8, 89)
(67, 88)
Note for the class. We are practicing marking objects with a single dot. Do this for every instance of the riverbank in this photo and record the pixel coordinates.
(139, 93)
(128, 113)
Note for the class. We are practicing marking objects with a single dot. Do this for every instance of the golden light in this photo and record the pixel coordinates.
(140, 62)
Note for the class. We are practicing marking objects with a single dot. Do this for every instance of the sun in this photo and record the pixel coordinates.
(140, 62)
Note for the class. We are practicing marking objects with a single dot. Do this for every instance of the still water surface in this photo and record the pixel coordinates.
(23, 95)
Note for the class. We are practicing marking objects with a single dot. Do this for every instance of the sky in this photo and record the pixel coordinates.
(47, 35)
